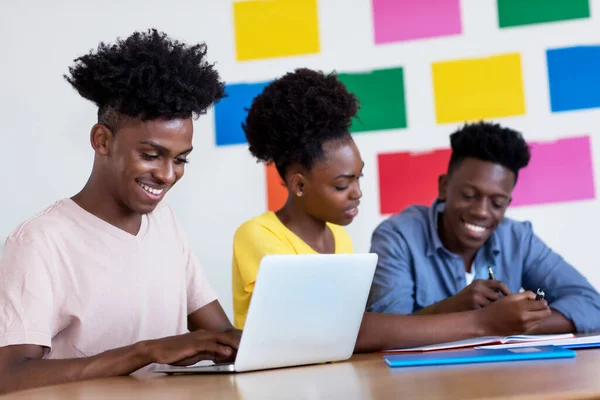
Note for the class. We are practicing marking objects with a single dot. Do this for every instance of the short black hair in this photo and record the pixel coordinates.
(489, 142)
(147, 76)
(295, 115)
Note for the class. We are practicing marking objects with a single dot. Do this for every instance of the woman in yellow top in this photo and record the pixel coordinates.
(300, 122)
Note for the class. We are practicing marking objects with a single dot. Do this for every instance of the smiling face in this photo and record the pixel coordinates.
(143, 160)
(477, 194)
(330, 191)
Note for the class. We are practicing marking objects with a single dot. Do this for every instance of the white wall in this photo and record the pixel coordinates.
(45, 153)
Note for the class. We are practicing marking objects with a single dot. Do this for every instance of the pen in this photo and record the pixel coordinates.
(539, 294)
(491, 273)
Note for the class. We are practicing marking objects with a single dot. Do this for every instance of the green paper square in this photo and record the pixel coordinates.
(525, 12)
(381, 96)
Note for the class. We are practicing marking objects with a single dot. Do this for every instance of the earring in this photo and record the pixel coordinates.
(299, 194)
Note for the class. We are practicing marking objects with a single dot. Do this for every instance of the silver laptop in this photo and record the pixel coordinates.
(305, 309)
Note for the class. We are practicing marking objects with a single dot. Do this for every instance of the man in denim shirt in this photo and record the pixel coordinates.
(437, 259)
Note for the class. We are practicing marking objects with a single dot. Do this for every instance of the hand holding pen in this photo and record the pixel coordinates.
(539, 294)
(480, 293)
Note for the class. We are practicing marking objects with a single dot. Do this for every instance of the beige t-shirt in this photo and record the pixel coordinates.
(79, 286)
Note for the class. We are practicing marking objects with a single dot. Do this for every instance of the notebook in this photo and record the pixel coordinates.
(583, 342)
(485, 340)
(478, 356)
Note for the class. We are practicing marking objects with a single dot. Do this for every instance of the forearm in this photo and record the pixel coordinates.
(32, 373)
(388, 331)
(429, 310)
(555, 323)
(441, 307)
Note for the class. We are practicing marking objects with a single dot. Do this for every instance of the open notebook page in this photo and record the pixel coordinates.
(486, 340)
(560, 342)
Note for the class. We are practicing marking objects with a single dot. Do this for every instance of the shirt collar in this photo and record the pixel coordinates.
(491, 246)
(434, 243)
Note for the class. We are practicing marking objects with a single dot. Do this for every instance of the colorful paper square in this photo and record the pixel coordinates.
(275, 28)
(408, 178)
(559, 171)
(573, 75)
(231, 112)
(478, 88)
(403, 20)
(277, 193)
(381, 96)
(525, 12)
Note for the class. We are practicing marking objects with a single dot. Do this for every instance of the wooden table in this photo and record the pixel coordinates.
(363, 377)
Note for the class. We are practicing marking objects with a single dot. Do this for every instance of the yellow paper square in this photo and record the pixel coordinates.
(275, 28)
(481, 88)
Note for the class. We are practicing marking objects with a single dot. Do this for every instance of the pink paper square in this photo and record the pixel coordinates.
(559, 171)
(402, 20)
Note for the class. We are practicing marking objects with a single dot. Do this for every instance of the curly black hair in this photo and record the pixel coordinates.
(489, 142)
(295, 115)
(147, 76)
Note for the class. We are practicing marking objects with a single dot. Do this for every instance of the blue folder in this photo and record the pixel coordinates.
(478, 356)
(580, 345)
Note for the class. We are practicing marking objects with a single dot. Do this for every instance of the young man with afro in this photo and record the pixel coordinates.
(461, 253)
(105, 283)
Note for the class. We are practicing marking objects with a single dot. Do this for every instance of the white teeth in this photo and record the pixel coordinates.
(150, 190)
(475, 228)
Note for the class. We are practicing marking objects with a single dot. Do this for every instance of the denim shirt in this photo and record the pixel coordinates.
(415, 270)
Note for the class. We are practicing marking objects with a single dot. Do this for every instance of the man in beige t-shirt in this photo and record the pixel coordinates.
(105, 283)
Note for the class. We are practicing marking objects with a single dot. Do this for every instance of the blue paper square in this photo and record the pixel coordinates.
(230, 112)
(574, 78)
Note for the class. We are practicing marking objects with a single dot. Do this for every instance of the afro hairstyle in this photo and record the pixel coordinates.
(147, 76)
(489, 142)
(293, 117)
